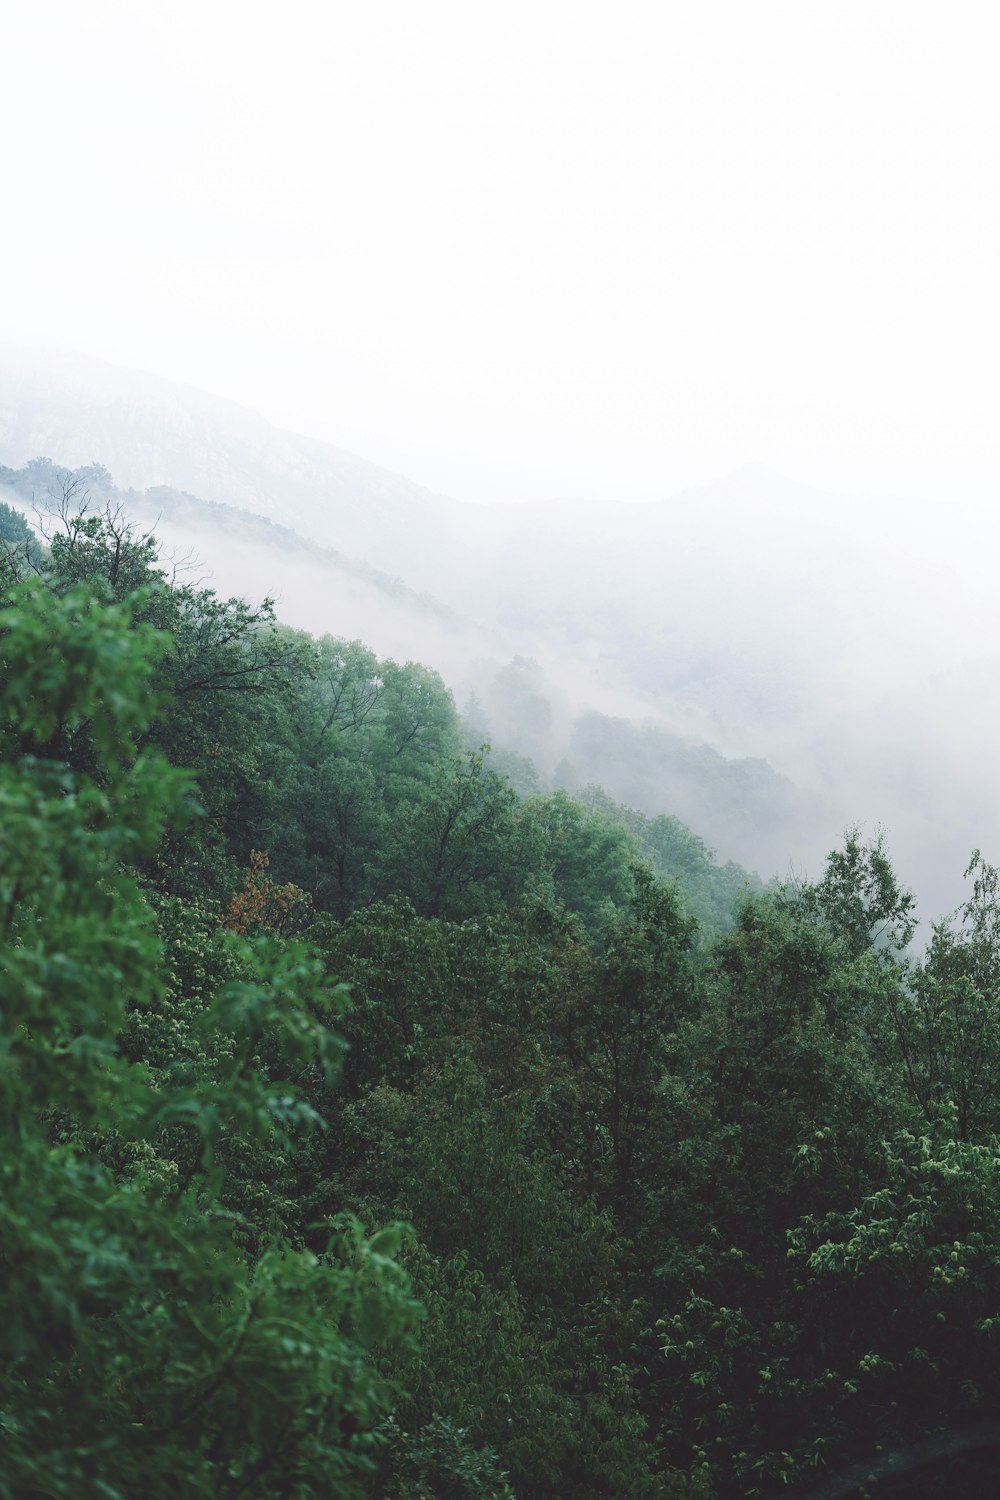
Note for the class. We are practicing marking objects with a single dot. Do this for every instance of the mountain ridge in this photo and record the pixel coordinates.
(762, 617)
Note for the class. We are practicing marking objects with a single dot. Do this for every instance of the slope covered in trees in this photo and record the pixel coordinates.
(821, 657)
(701, 1179)
(740, 806)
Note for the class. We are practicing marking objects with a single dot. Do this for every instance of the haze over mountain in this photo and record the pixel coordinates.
(841, 644)
(149, 431)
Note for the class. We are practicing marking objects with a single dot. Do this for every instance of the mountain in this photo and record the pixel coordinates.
(148, 431)
(543, 708)
(838, 650)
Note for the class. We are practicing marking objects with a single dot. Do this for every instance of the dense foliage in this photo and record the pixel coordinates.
(703, 1181)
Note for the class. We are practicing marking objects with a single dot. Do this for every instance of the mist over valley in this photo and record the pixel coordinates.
(499, 696)
(766, 661)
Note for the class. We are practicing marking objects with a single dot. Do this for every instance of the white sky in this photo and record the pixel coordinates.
(522, 249)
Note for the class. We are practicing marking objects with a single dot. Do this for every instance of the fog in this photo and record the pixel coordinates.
(652, 355)
(532, 1031)
(852, 648)
(554, 251)
(768, 661)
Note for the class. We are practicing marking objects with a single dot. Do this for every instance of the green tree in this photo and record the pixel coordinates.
(460, 846)
(587, 858)
(943, 1031)
(774, 1109)
(861, 900)
(143, 1351)
(19, 551)
(641, 991)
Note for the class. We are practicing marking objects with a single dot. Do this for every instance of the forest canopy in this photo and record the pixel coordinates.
(373, 1129)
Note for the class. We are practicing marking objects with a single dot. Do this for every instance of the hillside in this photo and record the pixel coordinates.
(744, 809)
(820, 660)
(149, 431)
(366, 1120)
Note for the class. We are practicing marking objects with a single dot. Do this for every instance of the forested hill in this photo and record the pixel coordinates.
(575, 730)
(854, 658)
(43, 489)
(344, 803)
(593, 1184)
(149, 431)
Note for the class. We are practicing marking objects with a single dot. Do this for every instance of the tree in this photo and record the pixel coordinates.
(19, 550)
(774, 1108)
(588, 860)
(460, 846)
(617, 1034)
(943, 1031)
(861, 900)
(143, 1351)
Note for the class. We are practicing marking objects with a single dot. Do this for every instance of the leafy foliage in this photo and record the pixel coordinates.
(142, 1350)
(701, 1179)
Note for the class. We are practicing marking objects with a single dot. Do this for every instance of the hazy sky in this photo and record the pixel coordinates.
(518, 250)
